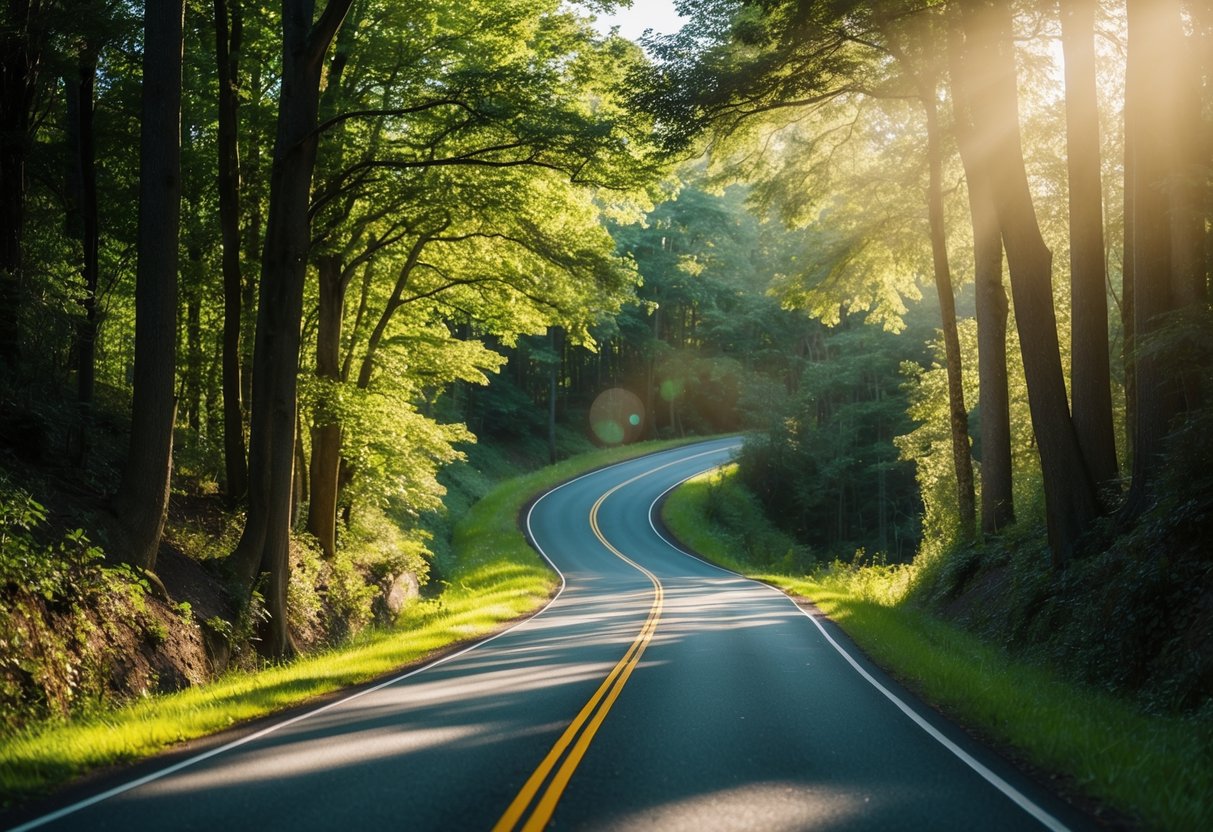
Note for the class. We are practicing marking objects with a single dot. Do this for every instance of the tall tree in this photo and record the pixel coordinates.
(1167, 260)
(997, 491)
(740, 62)
(924, 78)
(1090, 377)
(229, 35)
(480, 130)
(1070, 498)
(264, 544)
(141, 502)
(23, 40)
(79, 87)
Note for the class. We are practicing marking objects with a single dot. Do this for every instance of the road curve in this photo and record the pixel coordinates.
(655, 692)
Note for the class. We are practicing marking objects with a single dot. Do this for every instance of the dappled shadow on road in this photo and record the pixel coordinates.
(768, 806)
(449, 747)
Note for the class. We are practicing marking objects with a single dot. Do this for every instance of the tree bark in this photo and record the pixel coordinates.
(299, 489)
(1152, 122)
(253, 243)
(1090, 375)
(22, 40)
(1127, 300)
(141, 502)
(326, 424)
(958, 416)
(1188, 191)
(1188, 194)
(650, 414)
(193, 340)
(1070, 500)
(82, 138)
(229, 33)
(264, 544)
(553, 375)
(997, 484)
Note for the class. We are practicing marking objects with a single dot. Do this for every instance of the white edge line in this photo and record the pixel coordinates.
(206, 755)
(160, 774)
(535, 543)
(1013, 794)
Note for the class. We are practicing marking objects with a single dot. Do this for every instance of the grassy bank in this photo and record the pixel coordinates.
(1154, 768)
(492, 578)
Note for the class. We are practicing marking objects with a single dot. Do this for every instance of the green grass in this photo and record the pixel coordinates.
(1155, 768)
(496, 577)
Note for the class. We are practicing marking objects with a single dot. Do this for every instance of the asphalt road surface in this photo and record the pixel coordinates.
(655, 692)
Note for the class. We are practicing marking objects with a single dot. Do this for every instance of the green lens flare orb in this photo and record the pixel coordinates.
(671, 389)
(617, 417)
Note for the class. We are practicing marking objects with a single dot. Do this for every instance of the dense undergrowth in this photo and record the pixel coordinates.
(81, 633)
(1131, 614)
(1100, 673)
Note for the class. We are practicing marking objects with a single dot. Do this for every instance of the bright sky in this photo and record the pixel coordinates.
(658, 15)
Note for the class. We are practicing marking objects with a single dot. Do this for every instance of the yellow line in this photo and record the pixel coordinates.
(547, 804)
(605, 696)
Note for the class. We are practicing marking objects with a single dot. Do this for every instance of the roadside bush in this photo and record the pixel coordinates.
(58, 608)
(59, 571)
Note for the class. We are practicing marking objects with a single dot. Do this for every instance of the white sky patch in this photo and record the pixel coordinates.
(658, 15)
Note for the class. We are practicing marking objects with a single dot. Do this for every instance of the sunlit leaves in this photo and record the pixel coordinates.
(468, 153)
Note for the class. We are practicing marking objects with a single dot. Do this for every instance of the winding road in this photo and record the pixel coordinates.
(655, 692)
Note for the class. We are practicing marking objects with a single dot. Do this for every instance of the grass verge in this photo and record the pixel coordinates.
(1157, 769)
(496, 577)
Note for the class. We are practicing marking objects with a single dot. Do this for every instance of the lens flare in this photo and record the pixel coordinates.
(617, 417)
(671, 389)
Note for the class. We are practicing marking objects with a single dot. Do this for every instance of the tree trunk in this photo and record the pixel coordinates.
(1152, 123)
(1188, 195)
(299, 489)
(22, 39)
(253, 243)
(1202, 14)
(997, 484)
(553, 371)
(326, 423)
(142, 499)
(1090, 381)
(264, 544)
(1187, 200)
(958, 416)
(1127, 300)
(214, 386)
(82, 137)
(193, 342)
(997, 481)
(228, 41)
(1070, 500)
(650, 412)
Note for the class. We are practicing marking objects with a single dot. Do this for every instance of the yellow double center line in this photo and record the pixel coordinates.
(581, 730)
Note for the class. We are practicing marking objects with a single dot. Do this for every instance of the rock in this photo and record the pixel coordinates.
(398, 591)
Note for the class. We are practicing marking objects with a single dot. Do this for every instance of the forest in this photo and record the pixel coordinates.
(281, 282)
